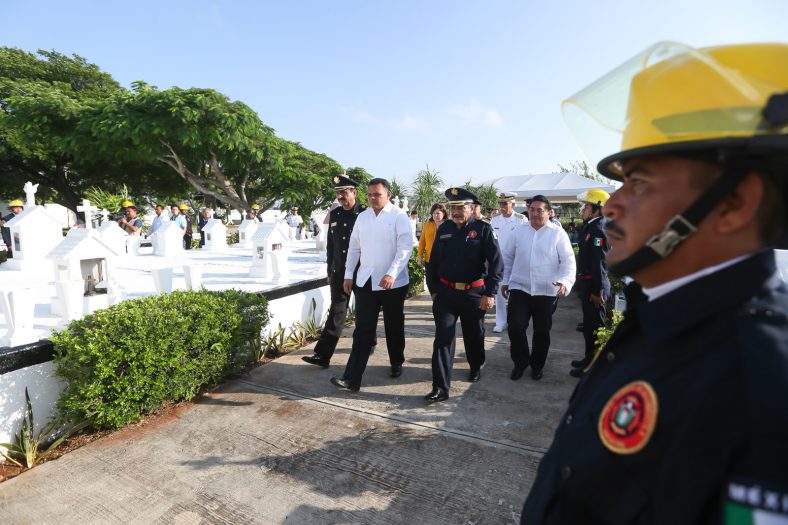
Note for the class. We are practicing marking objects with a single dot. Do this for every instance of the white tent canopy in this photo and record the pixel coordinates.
(558, 187)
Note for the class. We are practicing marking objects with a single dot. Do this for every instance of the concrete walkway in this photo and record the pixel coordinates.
(282, 445)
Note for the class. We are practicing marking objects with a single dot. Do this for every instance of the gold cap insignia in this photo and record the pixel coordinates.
(336, 180)
(454, 191)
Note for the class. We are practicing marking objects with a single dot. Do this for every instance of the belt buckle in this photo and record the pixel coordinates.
(459, 286)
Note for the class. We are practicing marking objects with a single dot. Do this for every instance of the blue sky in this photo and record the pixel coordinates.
(472, 88)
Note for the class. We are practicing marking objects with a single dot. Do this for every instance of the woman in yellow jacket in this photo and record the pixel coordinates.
(438, 214)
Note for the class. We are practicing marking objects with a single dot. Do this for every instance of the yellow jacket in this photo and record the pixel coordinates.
(426, 239)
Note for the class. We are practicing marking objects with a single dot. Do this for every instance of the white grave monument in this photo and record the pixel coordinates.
(18, 305)
(246, 231)
(83, 264)
(215, 234)
(114, 236)
(270, 252)
(34, 233)
(168, 240)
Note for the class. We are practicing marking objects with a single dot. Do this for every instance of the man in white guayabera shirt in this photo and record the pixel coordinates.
(382, 242)
(539, 269)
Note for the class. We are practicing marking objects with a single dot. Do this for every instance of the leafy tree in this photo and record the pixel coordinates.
(42, 98)
(306, 180)
(397, 189)
(426, 191)
(217, 146)
(487, 193)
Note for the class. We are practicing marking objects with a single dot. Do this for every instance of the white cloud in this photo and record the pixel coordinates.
(407, 122)
(475, 113)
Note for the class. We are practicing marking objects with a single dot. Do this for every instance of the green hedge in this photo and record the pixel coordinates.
(125, 361)
(416, 275)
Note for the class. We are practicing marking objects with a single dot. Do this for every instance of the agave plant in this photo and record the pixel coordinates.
(29, 449)
(311, 327)
(106, 200)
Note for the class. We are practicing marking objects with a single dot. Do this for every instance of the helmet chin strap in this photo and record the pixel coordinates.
(684, 224)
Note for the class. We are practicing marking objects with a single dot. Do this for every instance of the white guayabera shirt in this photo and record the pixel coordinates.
(534, 259)
(383, 243)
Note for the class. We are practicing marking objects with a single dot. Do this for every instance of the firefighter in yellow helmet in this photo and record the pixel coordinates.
(189, 233)
(593, 285)
(681, 417)
(16, 206)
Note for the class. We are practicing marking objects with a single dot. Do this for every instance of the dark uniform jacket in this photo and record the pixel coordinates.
(460, 256)
(340, 226)
(591, 266)
(714, 354)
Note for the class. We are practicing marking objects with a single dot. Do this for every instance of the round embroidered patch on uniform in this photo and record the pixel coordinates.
(472, 234)
(629, 417)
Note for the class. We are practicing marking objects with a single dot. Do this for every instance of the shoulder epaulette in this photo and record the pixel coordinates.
(519, 215)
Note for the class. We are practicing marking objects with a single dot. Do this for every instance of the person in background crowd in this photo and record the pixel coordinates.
(464, 271)
(539, 269)
(257, 211)
(295, 221)
(504, 225)
(414, 226)
(16, 206)
(130, 223)
(681, 417)
(177, 218)
(438, 215)
(157, 220)
(189, 233)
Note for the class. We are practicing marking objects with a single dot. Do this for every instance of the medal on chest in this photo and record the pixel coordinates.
(473, 234)
(629, 417)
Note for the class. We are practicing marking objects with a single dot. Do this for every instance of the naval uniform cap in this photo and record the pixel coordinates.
(343, 182)
(457, 196)
(506, 196)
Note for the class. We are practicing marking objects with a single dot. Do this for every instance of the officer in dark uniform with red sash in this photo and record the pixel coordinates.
(464, 271)
(682, 418)
(341, 221)
(592, 284)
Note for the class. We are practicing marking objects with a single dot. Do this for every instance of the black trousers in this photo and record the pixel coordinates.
(368, 305)
(593, 317)
(522, 308)
(337, 313)
(446, 308)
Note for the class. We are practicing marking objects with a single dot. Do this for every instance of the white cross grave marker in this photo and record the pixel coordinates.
(87, 209)
(104, 215)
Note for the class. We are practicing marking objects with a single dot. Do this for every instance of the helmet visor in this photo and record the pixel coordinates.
(671, 96)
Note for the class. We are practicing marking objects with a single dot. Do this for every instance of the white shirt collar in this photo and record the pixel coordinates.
(665, 288)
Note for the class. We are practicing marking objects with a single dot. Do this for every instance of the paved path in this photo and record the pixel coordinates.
(282, 445)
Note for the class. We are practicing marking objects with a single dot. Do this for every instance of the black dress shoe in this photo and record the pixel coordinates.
(316, 359)
(580, 363)
(579, 327)
(343, 384)
(437, 394)
(396, 371)
(576, 372)
(474, 375)
(536, 374)
(517, 373)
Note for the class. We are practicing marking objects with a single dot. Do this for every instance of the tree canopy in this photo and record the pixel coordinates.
(69, 126)
(42, 97)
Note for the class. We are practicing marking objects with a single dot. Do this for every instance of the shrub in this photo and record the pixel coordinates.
(603, 333)
(416, 274)
(125, 361)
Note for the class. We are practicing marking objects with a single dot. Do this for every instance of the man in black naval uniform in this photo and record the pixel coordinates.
(464, 271)
(593, 286)
(683, 415)
(341, 221)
